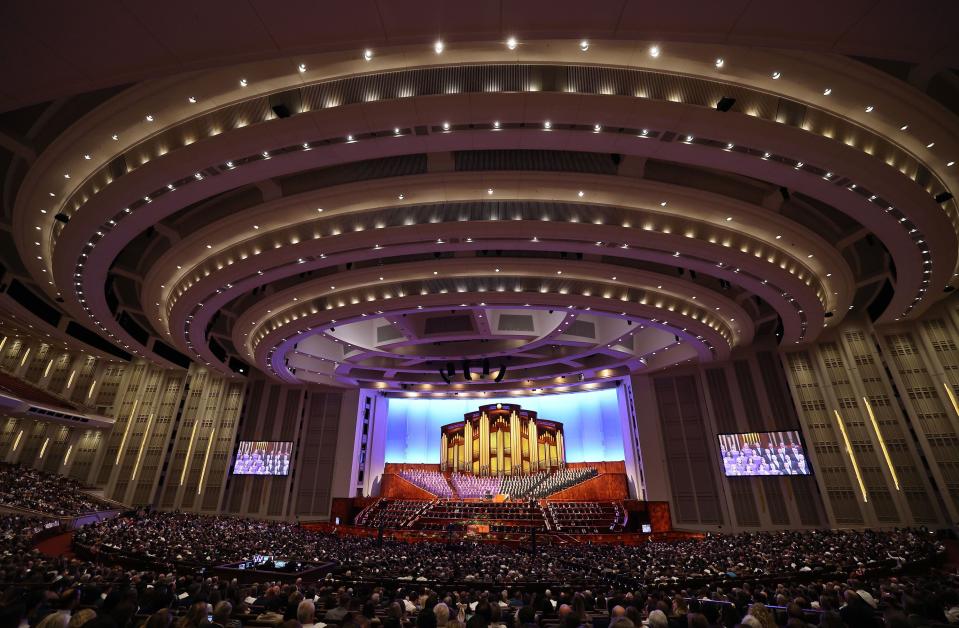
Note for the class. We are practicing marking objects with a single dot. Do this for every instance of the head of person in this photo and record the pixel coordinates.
(658, 619)
(442, 613)
(81, 617)
(306, 612)
(222, 612)
(621, 622)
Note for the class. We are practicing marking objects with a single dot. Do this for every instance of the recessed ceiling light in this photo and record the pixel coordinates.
(439, 46)
(191, 100)
(930, 144)
(779, 237)
(584, 45)
(662, 204)
(720, 62)
(489, 191)
(827, 91)
(776, 75)
(950, 164)
(150, 118)
(301, 67)
(869, 108)
(581, 194)
(396, 131)
(256, 226)
(496, 124)
(547, 125)
(511, 43)
(367, 54)
(400, 196)
(654, 51)
(729, 218)
(243, 82)
(446, 126)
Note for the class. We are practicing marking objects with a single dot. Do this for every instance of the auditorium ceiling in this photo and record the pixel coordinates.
(426, 197)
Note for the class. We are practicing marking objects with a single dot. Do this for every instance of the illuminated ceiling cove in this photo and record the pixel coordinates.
(555, 207)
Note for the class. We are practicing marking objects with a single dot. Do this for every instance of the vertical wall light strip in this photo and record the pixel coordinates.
(882, 442)
(92, 386)
(66, 458)
(952, 396)
(143, 443)
(46, 371)
(16, 441)
(126, 432)
(26, 354)
(3, 342)
(189, 452)
(852, 456)
(73, 374)
(206, 458)
(43, 448)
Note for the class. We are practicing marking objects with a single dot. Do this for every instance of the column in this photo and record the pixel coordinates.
(533, 448)
(515, 447)
(468, 444)
(484, 444)
(560, 448)
(443, 452)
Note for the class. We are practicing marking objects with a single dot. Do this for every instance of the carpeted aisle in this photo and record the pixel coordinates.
(58, 545)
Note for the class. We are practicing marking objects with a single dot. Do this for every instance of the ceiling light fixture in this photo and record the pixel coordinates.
(584, 45)
(243, 82)
(439, 46)
(368, 54)
(720, 62)
(776, 75)
(301, 67)
(511, 43)
(654, 51)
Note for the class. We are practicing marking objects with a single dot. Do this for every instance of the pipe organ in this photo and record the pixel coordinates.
(502, 439)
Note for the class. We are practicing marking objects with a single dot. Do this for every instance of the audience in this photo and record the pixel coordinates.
(22, 487)
(833, 579)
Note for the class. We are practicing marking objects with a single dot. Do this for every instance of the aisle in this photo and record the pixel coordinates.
(58, 545)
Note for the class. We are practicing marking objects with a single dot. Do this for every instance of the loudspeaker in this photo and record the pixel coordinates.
(725, 103)
(502, 373)
(466, 371)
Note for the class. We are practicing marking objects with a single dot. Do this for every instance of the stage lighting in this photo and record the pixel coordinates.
(725, 103)
(502, 373)
(466, 371)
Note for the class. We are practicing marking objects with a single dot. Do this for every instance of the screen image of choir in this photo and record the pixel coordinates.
(763, 453)
(263, 458)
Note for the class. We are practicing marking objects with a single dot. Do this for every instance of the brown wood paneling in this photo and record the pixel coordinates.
(604, 486)
(395, 487)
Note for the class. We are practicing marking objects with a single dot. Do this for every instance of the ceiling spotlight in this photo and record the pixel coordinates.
(930, 144)
(581, 194)
(496, 124)
(368, 54)
(904, 127)
(654, 51)
(511, 43)
(776, 75)
(149, 118)
(87, 157)
(597, 128)
(720, 62)
(439, 46)
(243, 82)
(827, 91)
(301, 67)
(584, 45)
(191, 100)
(489, 191)
(549, 125)
(950, 164)
(869, 108)
(396, 131)
(446, 126)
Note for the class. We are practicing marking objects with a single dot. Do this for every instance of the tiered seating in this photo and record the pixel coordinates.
(46, 493)
(391, 513)
(563, 479)
(586, 517)
(517, 486)
(432, 481)
(502, 516)
(473, 486)
(30, 393)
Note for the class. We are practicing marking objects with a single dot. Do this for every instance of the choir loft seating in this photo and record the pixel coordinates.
(467, 486)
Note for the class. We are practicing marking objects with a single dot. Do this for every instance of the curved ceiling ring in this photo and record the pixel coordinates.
(806, 76)
(503, 235)
(657, 285)
(270, 354)
(740, 116)
(164, 274)
(293, 217)
(159, 199)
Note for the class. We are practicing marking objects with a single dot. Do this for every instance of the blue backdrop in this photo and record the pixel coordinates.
(591, 424)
